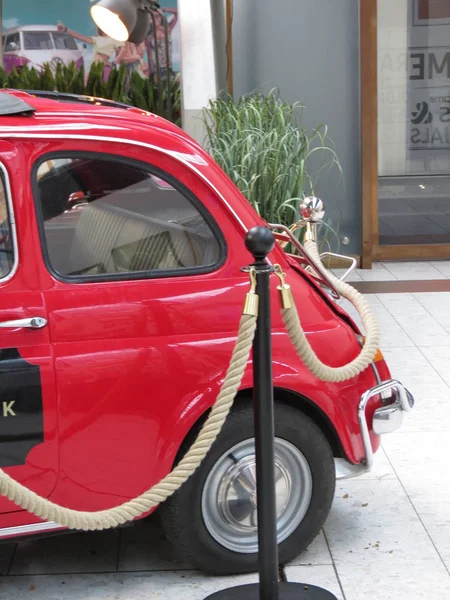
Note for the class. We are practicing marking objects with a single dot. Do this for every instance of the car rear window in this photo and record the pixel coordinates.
(37, 40)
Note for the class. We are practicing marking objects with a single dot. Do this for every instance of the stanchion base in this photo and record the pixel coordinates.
(287, 591)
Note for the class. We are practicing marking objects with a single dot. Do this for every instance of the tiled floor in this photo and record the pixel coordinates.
(388, 534)
(402, 271)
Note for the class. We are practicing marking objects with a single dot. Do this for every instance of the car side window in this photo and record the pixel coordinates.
(109, 219)
(12, 42)
(6, 234)
(63, 41)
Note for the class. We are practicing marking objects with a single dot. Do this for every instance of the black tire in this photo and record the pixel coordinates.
(182, 517)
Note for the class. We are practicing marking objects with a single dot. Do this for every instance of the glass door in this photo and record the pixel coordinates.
(413, 57)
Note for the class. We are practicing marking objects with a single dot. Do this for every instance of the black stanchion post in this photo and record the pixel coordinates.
(260, 242)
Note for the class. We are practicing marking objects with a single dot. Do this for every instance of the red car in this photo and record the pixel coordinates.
(121, 290)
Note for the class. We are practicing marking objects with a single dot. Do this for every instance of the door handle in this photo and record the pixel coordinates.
(32, 323)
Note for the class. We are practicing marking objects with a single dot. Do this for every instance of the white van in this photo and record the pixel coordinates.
(36, 45)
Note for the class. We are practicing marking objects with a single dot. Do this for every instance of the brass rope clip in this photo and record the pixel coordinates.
(309, 235)
(252, 299)
(287, 298)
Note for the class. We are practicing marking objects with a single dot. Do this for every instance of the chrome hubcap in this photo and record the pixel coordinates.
(229, 503)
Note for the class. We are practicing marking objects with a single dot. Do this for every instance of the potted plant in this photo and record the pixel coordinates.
(260, 143)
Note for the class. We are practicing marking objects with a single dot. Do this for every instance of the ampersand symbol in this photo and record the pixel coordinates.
(422, 114)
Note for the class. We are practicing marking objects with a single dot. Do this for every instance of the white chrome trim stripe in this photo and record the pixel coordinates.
(33, 528)
(67, 126)
(186, 159)
(12, 222)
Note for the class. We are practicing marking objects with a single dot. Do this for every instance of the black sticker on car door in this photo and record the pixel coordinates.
(21, 414)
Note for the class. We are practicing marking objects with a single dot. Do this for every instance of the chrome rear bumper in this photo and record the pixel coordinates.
(396, 401)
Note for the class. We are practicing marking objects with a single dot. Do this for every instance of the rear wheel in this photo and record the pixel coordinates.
(212, 519)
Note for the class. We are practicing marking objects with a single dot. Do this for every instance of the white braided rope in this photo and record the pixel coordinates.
(106, 519)
(303, 347)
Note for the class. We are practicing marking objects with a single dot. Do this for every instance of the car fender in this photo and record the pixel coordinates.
(336, 402)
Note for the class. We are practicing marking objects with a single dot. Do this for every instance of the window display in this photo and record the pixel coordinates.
(414, 121)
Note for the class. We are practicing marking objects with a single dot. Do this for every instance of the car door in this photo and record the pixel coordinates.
(136, 281)
(28, 420)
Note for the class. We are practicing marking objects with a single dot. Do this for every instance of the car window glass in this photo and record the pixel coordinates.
(107, 217)
(64, 42)
(12, 42)
(37, 40)
(6, 235)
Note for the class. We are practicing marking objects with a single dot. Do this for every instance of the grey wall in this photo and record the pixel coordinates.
(309, 49)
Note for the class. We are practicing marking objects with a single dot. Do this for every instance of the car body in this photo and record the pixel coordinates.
(36, 45)
(121, 290)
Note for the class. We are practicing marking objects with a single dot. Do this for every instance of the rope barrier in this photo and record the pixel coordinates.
(106, 519)
(298, 337)
(119, 515)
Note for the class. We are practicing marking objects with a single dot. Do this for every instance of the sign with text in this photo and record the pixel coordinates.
(429, 98)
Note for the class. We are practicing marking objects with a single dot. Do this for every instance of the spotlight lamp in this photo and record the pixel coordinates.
(124, 20)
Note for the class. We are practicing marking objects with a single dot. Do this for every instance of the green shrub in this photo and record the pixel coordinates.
(260, 143)
(147, 94)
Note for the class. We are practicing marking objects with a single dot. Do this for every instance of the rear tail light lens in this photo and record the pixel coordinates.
(378, 356)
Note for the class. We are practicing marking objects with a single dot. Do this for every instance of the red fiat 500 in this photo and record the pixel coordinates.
(121, 290)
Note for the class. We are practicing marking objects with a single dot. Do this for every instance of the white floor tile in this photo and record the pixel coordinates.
(415, 320)
(411, 271)
(378, 272)
(380, 547)
(421, 462)
(438, 305)
(439, 357)
(435, 514)
(398, 304)
(118, 586)
(392, 333)
(72, 553)
(431, 393)
(316, 554)
(412, 368)
(443, 266)
(431, 411)
(323, 576)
